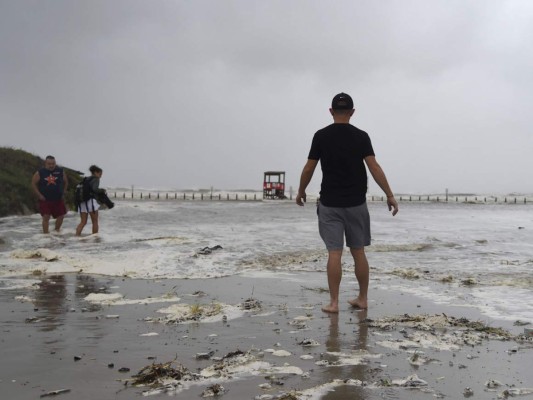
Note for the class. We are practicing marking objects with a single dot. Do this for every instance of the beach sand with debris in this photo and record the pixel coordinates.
(253, 336)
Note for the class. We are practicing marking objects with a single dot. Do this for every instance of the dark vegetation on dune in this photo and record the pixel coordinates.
(16, 170)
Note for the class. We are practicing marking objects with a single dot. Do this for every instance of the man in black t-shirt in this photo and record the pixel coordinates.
(343, 150)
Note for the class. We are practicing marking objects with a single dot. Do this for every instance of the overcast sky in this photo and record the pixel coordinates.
(193, 94)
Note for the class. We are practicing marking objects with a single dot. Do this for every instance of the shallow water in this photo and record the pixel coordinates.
(461, 254)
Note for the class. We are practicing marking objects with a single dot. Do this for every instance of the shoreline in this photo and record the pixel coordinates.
(53, 338)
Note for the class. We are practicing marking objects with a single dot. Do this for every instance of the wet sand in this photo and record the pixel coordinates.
(52, 339)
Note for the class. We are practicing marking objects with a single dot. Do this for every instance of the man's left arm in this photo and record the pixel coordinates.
(380, 178)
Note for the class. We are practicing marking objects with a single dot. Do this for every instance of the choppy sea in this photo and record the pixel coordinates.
(478, 255)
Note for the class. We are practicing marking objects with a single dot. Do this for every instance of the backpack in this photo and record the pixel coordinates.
(83, 191)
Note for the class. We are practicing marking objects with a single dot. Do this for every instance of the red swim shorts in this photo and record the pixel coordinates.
(53, 208)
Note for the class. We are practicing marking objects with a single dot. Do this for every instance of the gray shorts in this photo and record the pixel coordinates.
(336, 222)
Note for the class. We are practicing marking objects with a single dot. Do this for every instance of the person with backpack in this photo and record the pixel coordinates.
(88, 193)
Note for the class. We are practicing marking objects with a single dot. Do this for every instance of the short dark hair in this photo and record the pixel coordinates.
(49, 157)
(341, 112)
(94, 169)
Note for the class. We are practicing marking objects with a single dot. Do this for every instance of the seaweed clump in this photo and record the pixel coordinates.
(155, 374)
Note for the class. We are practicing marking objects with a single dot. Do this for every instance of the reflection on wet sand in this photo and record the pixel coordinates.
(345, 343)
(50, 302)
(86, 285)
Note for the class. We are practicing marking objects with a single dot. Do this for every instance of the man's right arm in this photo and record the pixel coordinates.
(379, 176)
(34, 182)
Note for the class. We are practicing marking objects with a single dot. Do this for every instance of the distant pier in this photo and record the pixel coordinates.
(258, 196)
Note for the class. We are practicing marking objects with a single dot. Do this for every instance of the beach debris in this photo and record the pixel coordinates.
(337, 359)
(469, 332)
(199, 293)
(205, 356)
(103, 298)
(469, 282)
(412, 381)
(251, 304)
(317, 289)
(55, 393)
(521, 323)
(515, 392)
(233, 363)
(77, 358)
(446, 279)
(112, 316)
(32, 320)
(408, 273)
(158, 375)
(281, 353)
(468, 392)
(307, 342)
(149, 334)
(208, 250)
(214, 390)
(24, 299)
(124, 369)
(183, 313)
(45, 254)
(417, 359)
(492, 383)
(110, 365)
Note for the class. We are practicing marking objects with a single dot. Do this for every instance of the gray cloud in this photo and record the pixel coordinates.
(193, 94)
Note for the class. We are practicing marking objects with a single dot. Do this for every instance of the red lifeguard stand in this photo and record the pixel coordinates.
(274, 185)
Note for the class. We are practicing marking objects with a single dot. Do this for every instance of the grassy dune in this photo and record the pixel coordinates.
(16, 170)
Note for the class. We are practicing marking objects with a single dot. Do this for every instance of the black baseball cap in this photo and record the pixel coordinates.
(342, 101)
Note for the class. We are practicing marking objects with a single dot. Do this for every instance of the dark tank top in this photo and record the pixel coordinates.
(51, 183)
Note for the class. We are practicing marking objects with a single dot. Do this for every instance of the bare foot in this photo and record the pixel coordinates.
(330, 309)
(356, 303)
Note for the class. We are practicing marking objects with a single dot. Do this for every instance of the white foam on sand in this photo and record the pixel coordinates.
(14, 284)
(187, 313)
(103, 298)
(24, 299)
(318, 392)
(494, 304)
(118, 299)
(354, 358)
